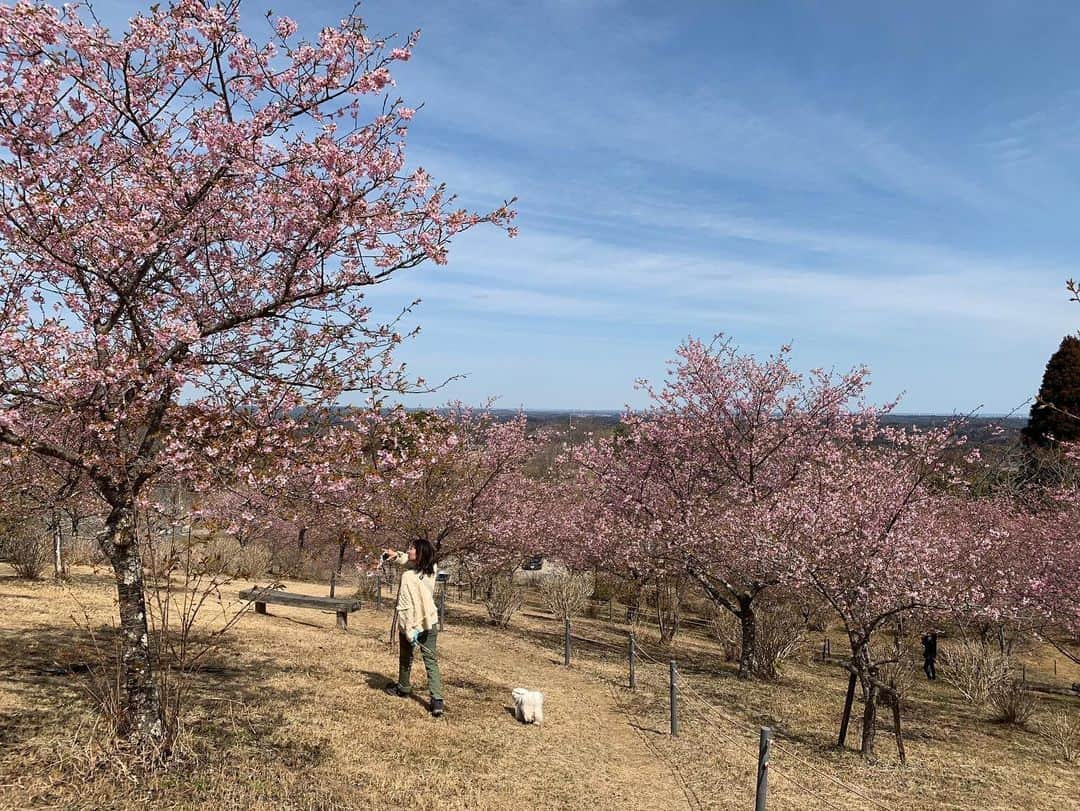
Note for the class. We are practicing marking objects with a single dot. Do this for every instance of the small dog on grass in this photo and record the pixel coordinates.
(528, 705)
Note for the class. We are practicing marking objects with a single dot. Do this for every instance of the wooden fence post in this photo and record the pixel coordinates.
(673, 676)
(896, 721)
(566, 642)
(847, 710)
(764, 747)
(633, 662)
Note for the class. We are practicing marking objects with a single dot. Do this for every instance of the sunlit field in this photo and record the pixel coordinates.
(289, 713)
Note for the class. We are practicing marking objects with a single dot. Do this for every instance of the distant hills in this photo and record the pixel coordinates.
(987, 430)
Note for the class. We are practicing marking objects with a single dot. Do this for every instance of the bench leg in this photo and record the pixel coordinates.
(343, 620)
(260, 608)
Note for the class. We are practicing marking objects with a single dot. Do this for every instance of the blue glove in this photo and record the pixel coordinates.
(414, 637)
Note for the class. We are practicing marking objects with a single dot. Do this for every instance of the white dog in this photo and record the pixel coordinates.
(528, 705)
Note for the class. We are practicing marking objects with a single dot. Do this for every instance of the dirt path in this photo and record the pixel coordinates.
(586, 755)
(586, 738)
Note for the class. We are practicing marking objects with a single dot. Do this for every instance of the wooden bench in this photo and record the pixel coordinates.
(339, 606)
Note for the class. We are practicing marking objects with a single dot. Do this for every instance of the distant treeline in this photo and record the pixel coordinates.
(981, 431)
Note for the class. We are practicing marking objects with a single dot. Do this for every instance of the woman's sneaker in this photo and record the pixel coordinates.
(437, 707)
(394, 690)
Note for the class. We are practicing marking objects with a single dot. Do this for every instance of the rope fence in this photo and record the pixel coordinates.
(706, 708)
(682, 695)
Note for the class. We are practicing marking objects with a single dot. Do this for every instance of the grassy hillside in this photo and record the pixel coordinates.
(290, 713)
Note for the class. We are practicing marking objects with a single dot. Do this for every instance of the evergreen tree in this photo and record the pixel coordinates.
(1056, 412)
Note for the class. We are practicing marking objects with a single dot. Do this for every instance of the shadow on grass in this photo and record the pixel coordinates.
(294, 621)
(649, 729)
(73, 579)
(595, 639)
(379, 682)
(53, 673)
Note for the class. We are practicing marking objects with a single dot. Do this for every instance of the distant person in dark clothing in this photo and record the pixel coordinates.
(929, 654)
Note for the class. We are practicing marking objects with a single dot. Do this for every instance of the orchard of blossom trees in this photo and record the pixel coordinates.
(763, 486)
(190, 218)
(746, 484)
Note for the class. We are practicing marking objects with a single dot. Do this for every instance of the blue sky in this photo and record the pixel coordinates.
(889, 184)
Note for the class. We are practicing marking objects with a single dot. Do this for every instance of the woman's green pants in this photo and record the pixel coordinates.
(426, 647)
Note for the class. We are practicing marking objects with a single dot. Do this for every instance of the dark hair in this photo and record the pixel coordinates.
(425, 556)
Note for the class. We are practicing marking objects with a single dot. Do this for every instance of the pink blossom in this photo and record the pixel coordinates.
(285, 27)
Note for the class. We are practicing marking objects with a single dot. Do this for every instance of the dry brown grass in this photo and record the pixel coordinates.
(292, 715)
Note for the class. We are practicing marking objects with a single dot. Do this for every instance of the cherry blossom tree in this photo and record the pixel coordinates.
(327, 487)
(1024, 564)
(189, 213)
(876, 540)
(1052, 574)
(620, 518)
(700, 475)
(458, 480)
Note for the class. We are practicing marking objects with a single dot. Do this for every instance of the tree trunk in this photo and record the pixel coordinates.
(58, 552)
(142, 720)
(668, 610)
(300, 538)
(869, 719)
(336, 574)
(896, 709)
(633, 607)
(741, 604)
(342, 548)
(860, 660)
(748, 654)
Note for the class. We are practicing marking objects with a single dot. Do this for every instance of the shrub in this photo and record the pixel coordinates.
(975, 669)
(502, 598)
(161, 556)
(1062, 729)
(781, 632)
(1012, 704)
(84, 550)
(251, 562)
(26, 549)
(223, 555)
(565, 593)
(900, 670)
(367, 585)
(725, 627)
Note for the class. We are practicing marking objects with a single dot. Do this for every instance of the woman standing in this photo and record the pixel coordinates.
(417, 619)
